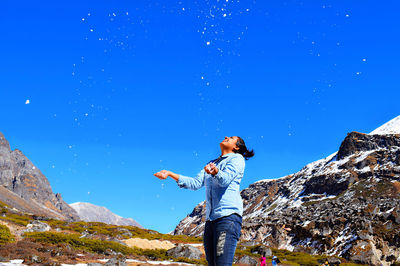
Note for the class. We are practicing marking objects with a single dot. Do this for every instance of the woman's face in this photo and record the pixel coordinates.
(229, 143)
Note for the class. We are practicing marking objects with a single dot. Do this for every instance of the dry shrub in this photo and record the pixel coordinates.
(5, 234)
(41, 254)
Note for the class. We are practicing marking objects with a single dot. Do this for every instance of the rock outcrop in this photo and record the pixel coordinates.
(347, 204)
(24, 187)
(185, 251)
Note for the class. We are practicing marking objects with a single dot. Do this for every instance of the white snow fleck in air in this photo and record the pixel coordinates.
(358, 73)
(208, 43)
(126, 13)
(33, 167)
(364, 60)
(53, 166)
(88, 192)
(27, 102)
(347, 15)
(88, 14)
(83, 19)
(183, 9)
(202, 77)
(70, 146)
(224, 15)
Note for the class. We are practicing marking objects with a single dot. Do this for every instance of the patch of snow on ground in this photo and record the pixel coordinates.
(287, 245)
(297, 203)
(270, 179)
(344, 239)
(362, 155)
(127, 260)
(389, 211)
(195, 245)
(12, 263)
(364, 170)
(306, 223)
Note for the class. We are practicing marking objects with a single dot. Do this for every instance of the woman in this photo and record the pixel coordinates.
(224, 206)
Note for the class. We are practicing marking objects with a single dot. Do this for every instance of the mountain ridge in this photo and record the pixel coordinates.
(346, 204)
(24, 186)
(89, 212)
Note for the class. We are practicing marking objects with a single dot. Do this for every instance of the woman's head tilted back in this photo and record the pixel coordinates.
(236, 144)
(242, 149)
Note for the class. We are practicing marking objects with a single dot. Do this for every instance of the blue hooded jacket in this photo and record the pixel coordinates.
(223, 189)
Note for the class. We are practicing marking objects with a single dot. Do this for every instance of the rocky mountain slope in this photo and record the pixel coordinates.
(347, 204)
(92, 213)
(24, 187)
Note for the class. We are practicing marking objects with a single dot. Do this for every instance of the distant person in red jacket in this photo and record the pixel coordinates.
(263, 260)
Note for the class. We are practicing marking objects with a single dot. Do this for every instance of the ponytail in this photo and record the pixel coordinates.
(242, 149)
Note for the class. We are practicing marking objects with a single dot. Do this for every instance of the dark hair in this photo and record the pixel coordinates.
(242, 149)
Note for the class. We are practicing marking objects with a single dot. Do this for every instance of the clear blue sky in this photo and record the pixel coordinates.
(118, 90)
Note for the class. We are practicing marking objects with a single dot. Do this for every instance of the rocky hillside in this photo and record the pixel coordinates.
(347, 204)
(24, 187)
(92, 213)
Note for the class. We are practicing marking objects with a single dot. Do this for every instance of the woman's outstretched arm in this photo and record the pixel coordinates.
(183, 181)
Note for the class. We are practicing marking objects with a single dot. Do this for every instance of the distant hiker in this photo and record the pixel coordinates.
(224, 205)
(326, 263)
(275, 261)
(263, 260)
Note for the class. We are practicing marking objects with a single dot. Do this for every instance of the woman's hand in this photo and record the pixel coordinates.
(163, 174)
(211, 169)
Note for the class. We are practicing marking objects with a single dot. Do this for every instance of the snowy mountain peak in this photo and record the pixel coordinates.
(391, 127)
(92, 213)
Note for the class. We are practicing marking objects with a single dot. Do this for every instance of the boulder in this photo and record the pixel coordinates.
(184, 251)
(37, 226)
(249, 243)
(262, 250)
(125, 232)
(362, 252)
(32, 259)
(334, 261)
(120, 261)
(247, 260)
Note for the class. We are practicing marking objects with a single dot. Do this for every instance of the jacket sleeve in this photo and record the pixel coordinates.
(190, 182)
(233, 168)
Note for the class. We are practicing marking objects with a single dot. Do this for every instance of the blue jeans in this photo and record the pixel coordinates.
(220, 239)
